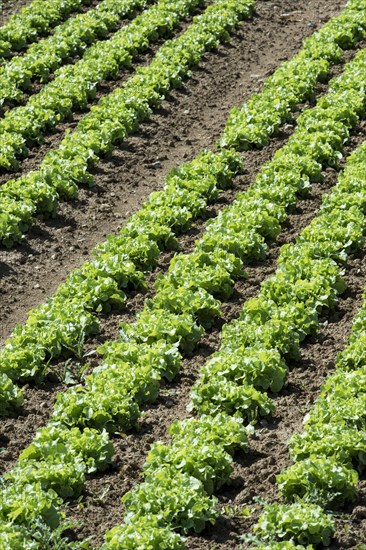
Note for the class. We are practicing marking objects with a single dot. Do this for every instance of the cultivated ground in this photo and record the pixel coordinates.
(189, 119)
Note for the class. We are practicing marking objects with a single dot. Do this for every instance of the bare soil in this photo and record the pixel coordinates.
(8, 7)
(189, 119)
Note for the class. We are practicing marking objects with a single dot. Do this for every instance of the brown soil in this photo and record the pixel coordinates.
(189, 119)
(8, 7)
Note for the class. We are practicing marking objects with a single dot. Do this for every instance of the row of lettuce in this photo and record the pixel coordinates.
(58, 327)
(34, 20)
(187, 300)
(116, 115)
(295, 80)
(69, 39)
(75, 84)
(327, 455)
(176, 495)
(331, 449)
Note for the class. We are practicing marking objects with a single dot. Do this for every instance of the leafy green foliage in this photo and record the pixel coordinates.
(332, 439)
(323, 481)
(226, 431)
(52, 468)
(55, 441)
(159, 355)
(67, 40)
(352, 358)
(197, 303)
(10, 395)
(221, 395)
(212, 272)
(262, 368)
(65, 476)
(294, 81)
(253, 348)
(34, 20)
(117, 114)
(308, 279)
(61, 326)
(279, 332)
(200, 447)
(16, 538)
(177, 499)
(142, 533)
(34, 536)
(157, 324)
(335, 427)
(24, 504)
(207, 462)
(300, 522)
(51, 328)
(342, 400)
(75, 84)
(104, 403)
(179, 475)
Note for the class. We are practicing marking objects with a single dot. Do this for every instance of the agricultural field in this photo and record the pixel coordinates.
(182, 274)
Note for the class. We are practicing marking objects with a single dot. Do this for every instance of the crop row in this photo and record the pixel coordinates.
(24, 198)
(187, 298)
(115, 116)
(60, 458)
(69, 39)
(181, 476)
(332, 446)
(75, 84)
(34, 20)
(295, 80)
(68, 317)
